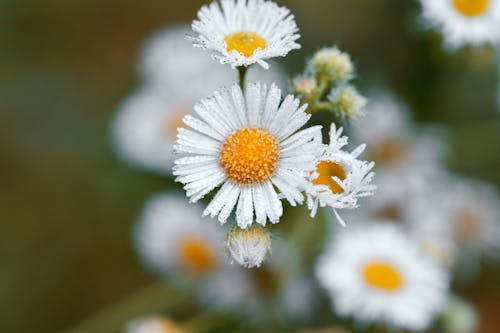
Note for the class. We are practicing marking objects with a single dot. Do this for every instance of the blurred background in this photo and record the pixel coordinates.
(67, 203)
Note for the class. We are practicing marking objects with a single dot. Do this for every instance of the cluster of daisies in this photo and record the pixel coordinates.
(247, 152)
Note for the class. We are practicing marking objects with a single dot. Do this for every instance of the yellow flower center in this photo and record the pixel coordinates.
(196, 256)
(174, 121)
(382, 275)
(471, 7)
(327, 170)
(250, 156)
(245, 43)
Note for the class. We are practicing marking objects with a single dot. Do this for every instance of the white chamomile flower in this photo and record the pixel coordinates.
(375, 274)
(340, 178)
(464, 22)
(162, 69)
(172, 238)
(155, 324)
(248, 144)
(244, 32)
(462, 215)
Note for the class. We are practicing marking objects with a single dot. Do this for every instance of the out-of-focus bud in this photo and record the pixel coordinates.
(333, 64)
(459, 317)
(304, 85)
(153, 325)
(326, 330)
(347, 102)
(249, 247)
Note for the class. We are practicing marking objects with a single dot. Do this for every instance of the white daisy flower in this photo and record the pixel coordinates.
(172, 238)
(377, 275)
(162, 69)
(249, 145)
(340, 178)
(244, 32)
(464, 22)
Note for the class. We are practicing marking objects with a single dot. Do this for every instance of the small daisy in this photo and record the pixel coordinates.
(172, 238)
(377, 275)
(244, 32)
(162, 69)
(340, 178)
(464, 22)
(249, 145)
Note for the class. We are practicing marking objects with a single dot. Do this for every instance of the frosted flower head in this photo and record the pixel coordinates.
(464, 22)
(172, 238)
(349, 103)
(249, 247)
(340, 178)
(333, 63)
(248, 145)
(244, 32)
(377, 275)
(162, 69)
(153, 325)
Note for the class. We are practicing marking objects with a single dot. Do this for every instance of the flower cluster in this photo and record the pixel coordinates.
(250, 143)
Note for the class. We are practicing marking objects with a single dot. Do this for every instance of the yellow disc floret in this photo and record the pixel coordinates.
(196, 256)
(471, 7)
(245, 43)
(382, 275)
(250, 156)
(327, 170)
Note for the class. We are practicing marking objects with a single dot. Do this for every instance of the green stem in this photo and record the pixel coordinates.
(154, 299)
(243, 73)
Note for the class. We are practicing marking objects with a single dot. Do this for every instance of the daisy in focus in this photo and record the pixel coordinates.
(378, 276)
(172, 239)
(340, 178)
(249, 145)
(245, 32)
(464, 22)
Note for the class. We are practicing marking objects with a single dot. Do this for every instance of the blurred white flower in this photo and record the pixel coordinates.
(375, 274)
(464, 22)
(249, 144)
(461, 215)
(171, 238)
(340, 178)
(244, 32)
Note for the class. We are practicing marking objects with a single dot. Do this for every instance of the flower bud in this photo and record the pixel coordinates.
(248, 247)
(333, 63)
(348, 102)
